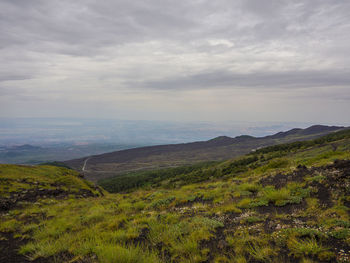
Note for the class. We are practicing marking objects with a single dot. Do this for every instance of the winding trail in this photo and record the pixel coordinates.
(85, 162)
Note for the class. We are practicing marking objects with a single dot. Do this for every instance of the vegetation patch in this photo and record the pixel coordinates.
(263, 207)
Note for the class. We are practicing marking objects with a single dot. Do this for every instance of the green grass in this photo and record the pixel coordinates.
(223, 212)
(15, 178)
(128, 254)
(308, 247)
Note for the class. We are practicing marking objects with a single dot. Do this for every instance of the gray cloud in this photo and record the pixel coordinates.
(13, 77)
(226, 79)
(117, 54)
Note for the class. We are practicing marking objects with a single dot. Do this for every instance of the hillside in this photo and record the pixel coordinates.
(284, 203)
(106, 165)
(20, 183)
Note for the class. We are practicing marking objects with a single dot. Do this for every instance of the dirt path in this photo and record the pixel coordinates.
(85, 162)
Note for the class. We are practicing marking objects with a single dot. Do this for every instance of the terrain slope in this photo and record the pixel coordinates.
(283, 203)
(106, 165)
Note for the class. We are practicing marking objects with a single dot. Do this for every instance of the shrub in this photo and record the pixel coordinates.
(162, 202)
(119, 254)
(254, 219)
(306, 247)
(9, 225)
(261, 253)
(250, 187)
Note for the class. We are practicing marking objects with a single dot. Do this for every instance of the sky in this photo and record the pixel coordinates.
(238, 60)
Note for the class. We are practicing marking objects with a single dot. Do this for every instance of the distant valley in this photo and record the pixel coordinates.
(34, 154)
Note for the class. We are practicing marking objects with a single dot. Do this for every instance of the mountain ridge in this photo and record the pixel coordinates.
(171, 155)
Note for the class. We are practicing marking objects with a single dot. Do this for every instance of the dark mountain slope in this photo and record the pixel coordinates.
(312, 130)
(110, 164)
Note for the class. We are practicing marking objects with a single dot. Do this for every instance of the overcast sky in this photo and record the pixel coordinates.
(253, 60)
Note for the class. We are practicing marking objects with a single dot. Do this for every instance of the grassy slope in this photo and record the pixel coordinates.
(264, 207)
(171, 177)
(21, 184)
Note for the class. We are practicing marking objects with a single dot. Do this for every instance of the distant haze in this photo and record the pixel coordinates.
(160, 60)
(129, 133)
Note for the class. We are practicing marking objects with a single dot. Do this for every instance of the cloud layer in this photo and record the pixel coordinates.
(192, 60)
